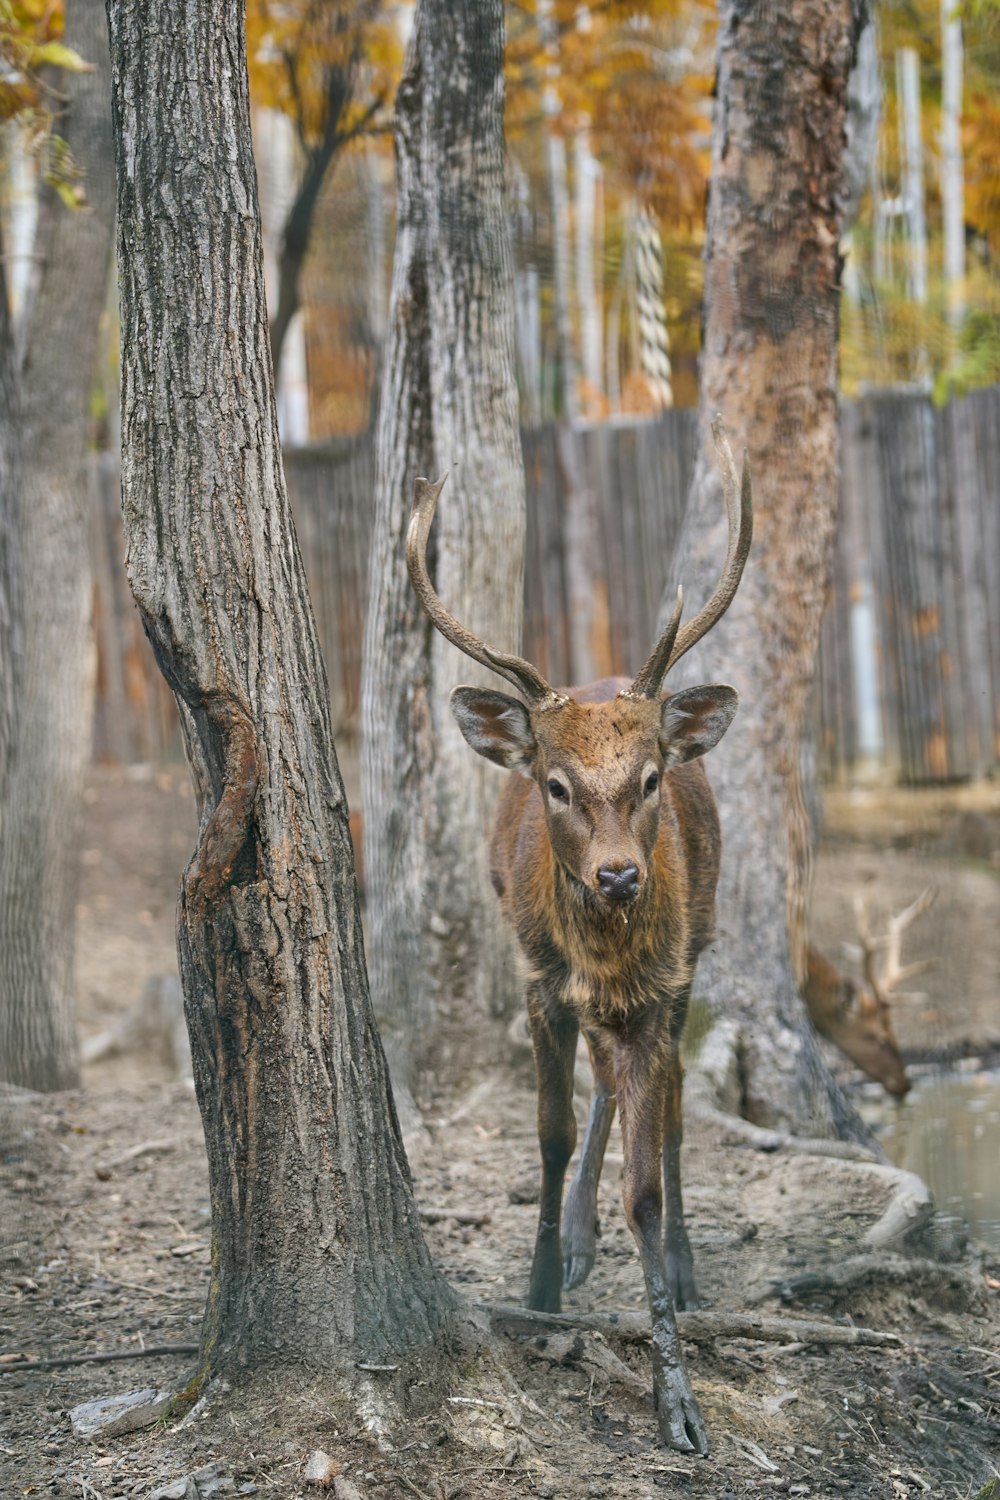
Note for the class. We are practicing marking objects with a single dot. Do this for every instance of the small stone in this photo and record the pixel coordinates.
(177, 1489)
(525, 1190)
(320, 1469)
(343, 1489)
(111, 1415)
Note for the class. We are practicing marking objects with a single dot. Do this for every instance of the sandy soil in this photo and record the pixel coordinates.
(104, 1246)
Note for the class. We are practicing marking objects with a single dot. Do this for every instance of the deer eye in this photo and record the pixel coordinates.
(652, 782)
(557, 791)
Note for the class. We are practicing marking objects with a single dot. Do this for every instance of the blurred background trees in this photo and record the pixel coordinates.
(609, 116)
(608, 125)
(52, 300)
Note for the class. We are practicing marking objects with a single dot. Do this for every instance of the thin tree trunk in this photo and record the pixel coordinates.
(441, 961)
(770, 366)
(317, 1254)
(41, 801)
(588, 292)
(10, 573)
(555, 150)
(952, 162)
(912, 152)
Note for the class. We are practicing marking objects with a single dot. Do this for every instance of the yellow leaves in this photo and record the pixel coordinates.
(308, 57)
(30, 32)
(57, 55)
(29, 41)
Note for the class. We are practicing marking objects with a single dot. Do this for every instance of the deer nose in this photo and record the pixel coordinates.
(619, 884)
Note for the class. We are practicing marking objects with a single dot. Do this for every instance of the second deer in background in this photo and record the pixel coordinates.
(858, 1018)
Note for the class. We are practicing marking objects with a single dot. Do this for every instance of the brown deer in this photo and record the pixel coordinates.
(605, 856)
(858, 1018)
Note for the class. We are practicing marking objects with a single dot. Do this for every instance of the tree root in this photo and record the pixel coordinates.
(763, 1139)
(861, 1271)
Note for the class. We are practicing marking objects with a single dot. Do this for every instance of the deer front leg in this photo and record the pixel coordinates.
(641, 1081)
(553, 1034)
(579, 1227)
(680, 1264)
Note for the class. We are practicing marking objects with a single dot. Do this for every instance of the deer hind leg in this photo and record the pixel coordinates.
(679, 1261)
(553, 1033)
(580, 1225)
(641, 1085)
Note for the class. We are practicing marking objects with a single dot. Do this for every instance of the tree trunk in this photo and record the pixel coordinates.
(317, 1255)
(770, 366)
(10, 573)
(952, 166)
(40, 803)
(441, 960)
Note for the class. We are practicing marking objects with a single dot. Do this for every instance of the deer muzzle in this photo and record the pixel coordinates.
(619, 883)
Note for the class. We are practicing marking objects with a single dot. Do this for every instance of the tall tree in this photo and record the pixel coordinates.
(47, 658)
(448, 402)
(317, 1253)
(770, 366)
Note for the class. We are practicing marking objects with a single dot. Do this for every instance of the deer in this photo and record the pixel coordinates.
(605, 857)
(858, 1018)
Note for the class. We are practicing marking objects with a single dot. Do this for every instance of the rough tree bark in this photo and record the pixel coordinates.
(317, 1256)
(47, 401)
(448, 403)
(769, 364)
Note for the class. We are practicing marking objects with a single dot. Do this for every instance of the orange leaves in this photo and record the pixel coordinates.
(981, 138)
(639, 73)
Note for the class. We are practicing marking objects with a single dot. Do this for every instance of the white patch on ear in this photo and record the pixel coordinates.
(694, 720)
(496, 726)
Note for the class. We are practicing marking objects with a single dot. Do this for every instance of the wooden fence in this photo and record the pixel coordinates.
(909, 673)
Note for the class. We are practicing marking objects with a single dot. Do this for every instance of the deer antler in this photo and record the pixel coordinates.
(516, 670)
(890, 944)
(674, 643)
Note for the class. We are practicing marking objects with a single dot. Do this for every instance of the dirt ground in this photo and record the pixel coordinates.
(104, 1246)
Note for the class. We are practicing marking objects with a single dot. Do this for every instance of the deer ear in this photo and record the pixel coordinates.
(495, 726)
(694, 720)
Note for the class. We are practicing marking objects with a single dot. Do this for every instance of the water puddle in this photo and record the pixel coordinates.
(947, 1130)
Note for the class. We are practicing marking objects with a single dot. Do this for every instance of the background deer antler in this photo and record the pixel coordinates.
(884, 980)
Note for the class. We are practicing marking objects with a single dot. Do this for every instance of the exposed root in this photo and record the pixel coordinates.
(860, 1272)
(763, 1139)
(907, 1218)
(714, 1092)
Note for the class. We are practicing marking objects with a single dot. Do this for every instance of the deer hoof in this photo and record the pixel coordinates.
(576, 1268)
(580, 1231)
(680, 1421)
(680, 1279)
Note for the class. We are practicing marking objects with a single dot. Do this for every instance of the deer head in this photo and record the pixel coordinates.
(598, 765)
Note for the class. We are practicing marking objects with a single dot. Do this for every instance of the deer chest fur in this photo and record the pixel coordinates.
(606, 965)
